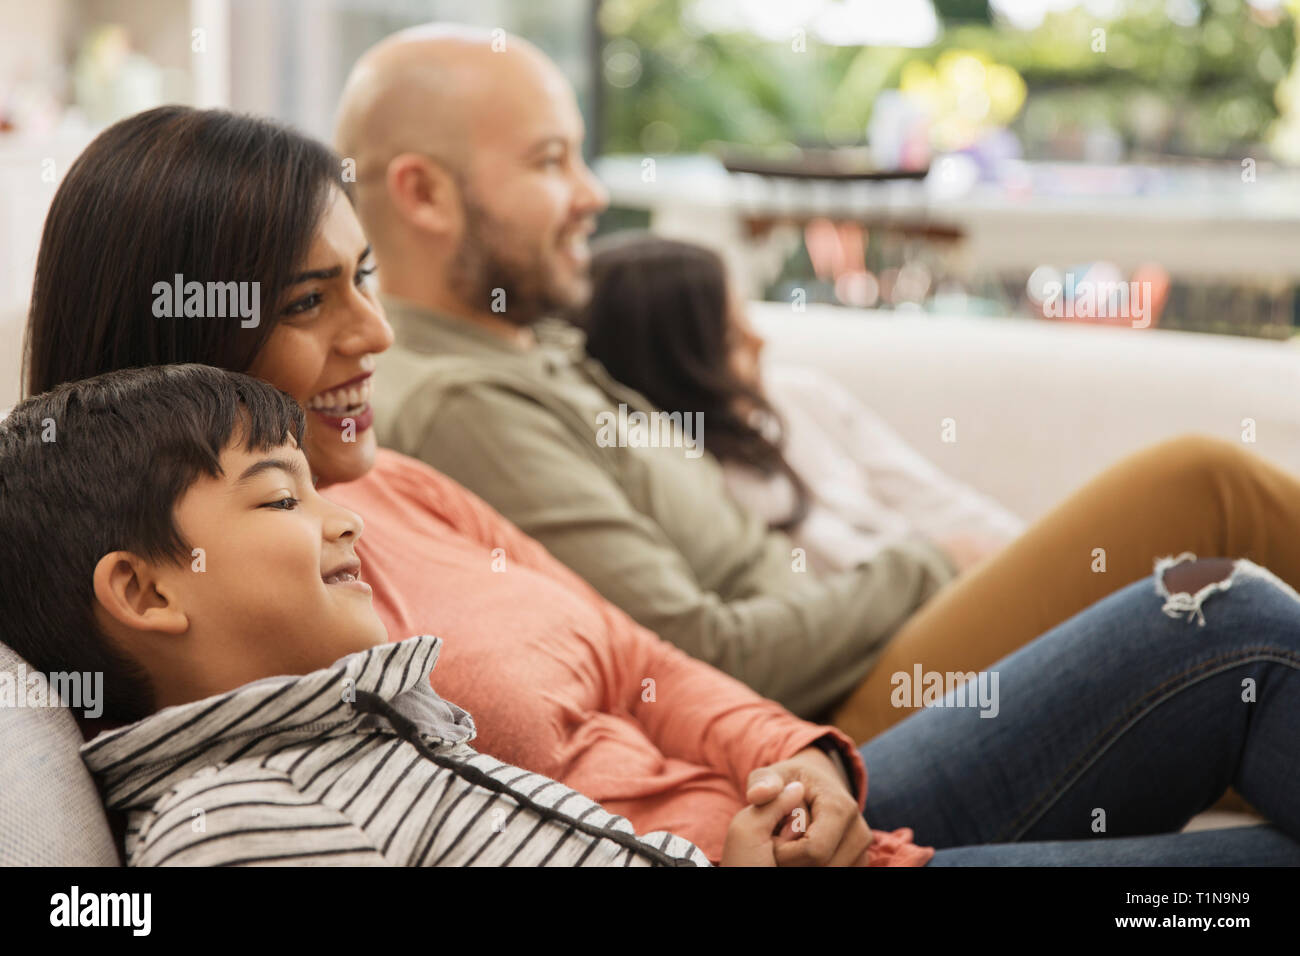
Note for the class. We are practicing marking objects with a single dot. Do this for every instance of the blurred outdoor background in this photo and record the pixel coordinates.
(962, 157)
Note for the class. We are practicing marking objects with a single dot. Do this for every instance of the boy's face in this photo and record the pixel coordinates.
(275, 589)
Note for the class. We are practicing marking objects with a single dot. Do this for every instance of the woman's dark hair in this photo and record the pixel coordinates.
(209, 195)
(658, 321)
(97, 466)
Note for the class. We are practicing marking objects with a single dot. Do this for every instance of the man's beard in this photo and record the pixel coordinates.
(518, 285)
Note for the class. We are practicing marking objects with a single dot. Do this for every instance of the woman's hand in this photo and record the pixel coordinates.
(826, 829)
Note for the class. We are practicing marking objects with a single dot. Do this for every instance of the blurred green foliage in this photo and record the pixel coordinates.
(1212, 88)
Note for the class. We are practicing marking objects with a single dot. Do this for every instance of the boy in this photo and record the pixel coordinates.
(164, 531)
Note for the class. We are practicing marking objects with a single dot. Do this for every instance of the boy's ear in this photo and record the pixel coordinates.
(132, 593)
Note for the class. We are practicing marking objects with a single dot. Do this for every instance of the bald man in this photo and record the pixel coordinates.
(470, 178)
(472, 187)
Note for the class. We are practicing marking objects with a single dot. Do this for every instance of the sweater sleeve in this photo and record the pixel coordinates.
(805, 642)
(696, 712)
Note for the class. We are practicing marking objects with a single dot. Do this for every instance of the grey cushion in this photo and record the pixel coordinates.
(50, 812)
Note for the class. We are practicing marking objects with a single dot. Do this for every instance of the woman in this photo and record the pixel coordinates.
(803, 453)
(229, 209)
(554, 675)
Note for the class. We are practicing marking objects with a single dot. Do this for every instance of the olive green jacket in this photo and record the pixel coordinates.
(535, 432)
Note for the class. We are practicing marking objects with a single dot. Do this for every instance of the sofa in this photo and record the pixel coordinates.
(1041, 406)
(1038, 408)
(50, 812)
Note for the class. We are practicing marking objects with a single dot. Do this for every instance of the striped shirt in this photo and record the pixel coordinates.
(359, 764)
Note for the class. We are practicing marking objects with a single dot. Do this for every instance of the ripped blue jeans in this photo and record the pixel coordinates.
(1109, 733)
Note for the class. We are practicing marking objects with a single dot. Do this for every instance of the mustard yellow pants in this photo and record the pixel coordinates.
(1203, 495)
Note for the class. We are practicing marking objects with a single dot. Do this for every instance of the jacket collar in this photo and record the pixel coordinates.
(137, 763)
(559, 344)
(425, 330)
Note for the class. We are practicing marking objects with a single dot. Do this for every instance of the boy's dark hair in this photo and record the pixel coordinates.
(98, 466)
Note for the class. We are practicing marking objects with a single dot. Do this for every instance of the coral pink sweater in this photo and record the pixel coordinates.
(560, 681)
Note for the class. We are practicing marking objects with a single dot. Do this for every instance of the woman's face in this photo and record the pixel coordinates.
(322, 350)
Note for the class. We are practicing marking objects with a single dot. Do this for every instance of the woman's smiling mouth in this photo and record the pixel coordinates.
(348, 402)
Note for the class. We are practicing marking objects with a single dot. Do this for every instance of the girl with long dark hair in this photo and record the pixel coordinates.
(797, 449)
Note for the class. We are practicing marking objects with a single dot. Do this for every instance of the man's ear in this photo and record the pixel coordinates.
(424, 193)
(131, 592)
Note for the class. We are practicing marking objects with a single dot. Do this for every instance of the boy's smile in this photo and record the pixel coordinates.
(347, 574)
(274, 585)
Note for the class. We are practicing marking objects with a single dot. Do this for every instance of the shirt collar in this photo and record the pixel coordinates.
(137, 763)
(425, 330)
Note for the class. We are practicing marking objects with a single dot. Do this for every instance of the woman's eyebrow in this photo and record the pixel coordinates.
(331, 273)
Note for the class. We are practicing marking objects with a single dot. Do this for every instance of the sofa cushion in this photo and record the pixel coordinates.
(1041, 407)
(50, 811)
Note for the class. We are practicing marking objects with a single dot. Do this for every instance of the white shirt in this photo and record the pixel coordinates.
(867, 487)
